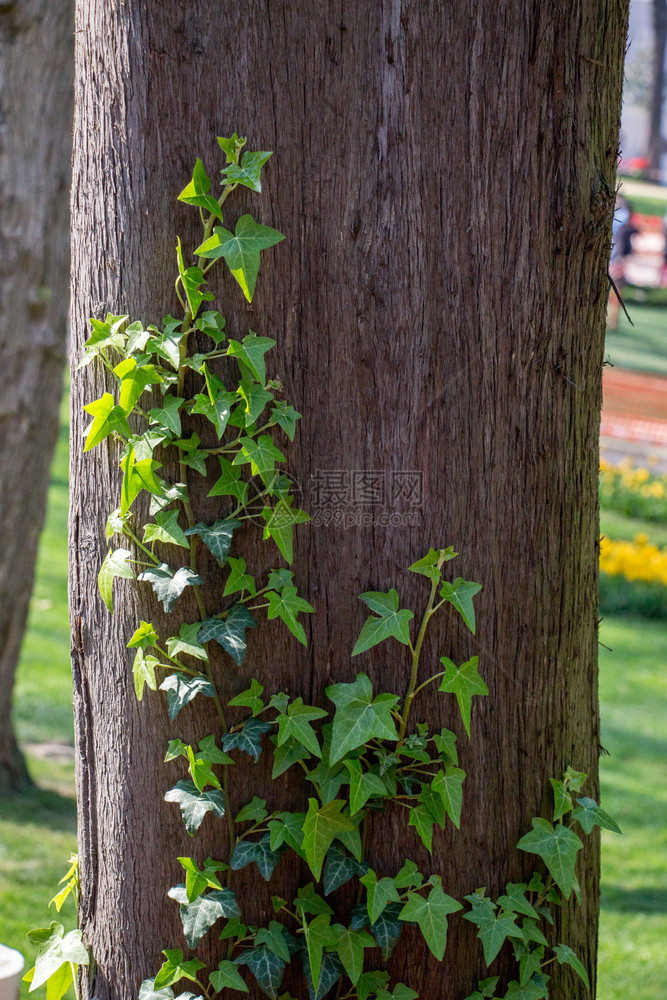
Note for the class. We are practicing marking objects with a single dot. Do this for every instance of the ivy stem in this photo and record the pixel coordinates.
(412, 686)
(128, 531)
(435, 676)
(177, 663)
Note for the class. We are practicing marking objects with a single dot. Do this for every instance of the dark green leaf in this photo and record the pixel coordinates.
(217, 537)
(182, 688)
(534, 989)
(379, 893)
(273, 937)
(230, 633)
(449, 786)
(250, 698)
(248, 739)
(329, 975)
(286, 755)
(246, 852)
(286, 417)
(295, 724)
(460, 594)
(339, 868)
(195, 804)
(266, 967)
(238, 580)
(168, 585)
(428, 564)
(431, 915)
(422, 820)
(363, 786)
(200, 915)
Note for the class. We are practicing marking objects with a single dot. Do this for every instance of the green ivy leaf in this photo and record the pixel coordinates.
(192, 278)
(262, 455)
(175, 968)
(168, 585)
(445, 742)
(248, 739)
(371, 983)
(363, 786)
(350, 946)
(431, 916)
(230, 633)
(186, 642)
(241, 250)
(250, 354)
(279, 579)
(247, 851)
(566, 956)
(227, 976)
(217, 537)
(280, 521)
(428, 565)
(247, 173)
(448, 784)
(391, 621)
(143, 672)
(514, 900)
(460, 594)
(166, 529)
(558, 847)
(197, 193)
(107, 419)
(287, 828)
(134, 379)
(182, 688)
(232, 147)
(217, 409)
(359, 717)
(105, 334)
(321, 826)
(534, 989)
(195, 804)
(168, 415)
(230, 483)
(115, 564)
(137, 476)
(266, 967)
(422, 819)
(464, 682)
(379, 893)
(55, 949)
(286, 417)
(286, 605)
(319, 935)
(198, 880)
(295, 724)
(144, 636)
(255, 398)
(273, 937)
(562, 799)
(238, 580)
(212, 323)
(254, 811)
(589, 814)
(493, 928)
(250, 698)
(286, 755)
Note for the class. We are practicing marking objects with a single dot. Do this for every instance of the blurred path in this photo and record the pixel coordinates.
(634, 417)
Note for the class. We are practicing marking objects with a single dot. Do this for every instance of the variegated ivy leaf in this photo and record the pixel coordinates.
(169, 585)
(115, 564)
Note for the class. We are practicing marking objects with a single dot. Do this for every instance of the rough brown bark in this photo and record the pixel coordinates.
(36, 72)
(656, 142)
(445, 177)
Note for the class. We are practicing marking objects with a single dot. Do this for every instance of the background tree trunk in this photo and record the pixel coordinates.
(36, 95)
(656, 142)
(445, 178)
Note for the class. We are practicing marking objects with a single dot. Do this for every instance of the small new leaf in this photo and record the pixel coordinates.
(389, 621)
(460, 594)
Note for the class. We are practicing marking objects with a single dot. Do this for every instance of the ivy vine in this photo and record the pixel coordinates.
(363, 754)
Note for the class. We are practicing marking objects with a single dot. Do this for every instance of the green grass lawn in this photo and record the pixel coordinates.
(37, 830)
(642, 347)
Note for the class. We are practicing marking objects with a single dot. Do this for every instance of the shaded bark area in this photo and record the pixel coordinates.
(36, 97)
(656, 142)
(445, 178)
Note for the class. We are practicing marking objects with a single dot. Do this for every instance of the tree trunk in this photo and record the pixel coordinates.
(445, 178)
(656, 142)
(36, 53)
